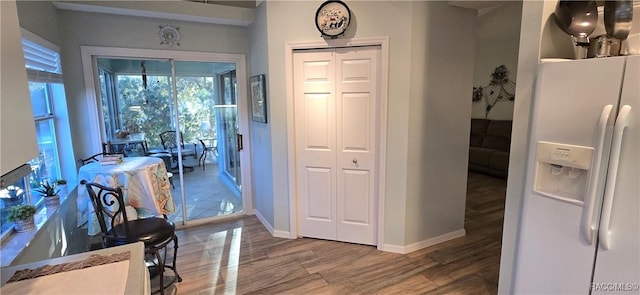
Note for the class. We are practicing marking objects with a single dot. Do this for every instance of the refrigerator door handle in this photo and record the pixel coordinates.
(589, 227)
(621, 123)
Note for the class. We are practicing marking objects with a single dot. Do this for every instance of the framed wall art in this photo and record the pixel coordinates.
(258, 98)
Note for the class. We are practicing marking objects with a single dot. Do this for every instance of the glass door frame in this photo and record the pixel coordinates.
(228, 143)
(97, 132)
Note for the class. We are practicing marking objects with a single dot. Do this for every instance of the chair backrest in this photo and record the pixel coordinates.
(168, 139)
(110, 208)
(97, 157)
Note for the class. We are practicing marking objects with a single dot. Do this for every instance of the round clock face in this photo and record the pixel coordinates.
(332, 18)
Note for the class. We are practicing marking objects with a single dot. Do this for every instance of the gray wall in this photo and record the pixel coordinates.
(415, 113)
(40, 18)
(442, 55)
(497, 42)
(261, 133)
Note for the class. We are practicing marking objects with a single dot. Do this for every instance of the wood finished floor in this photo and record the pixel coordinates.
(240, 257)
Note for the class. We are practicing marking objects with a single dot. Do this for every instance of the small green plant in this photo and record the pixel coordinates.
(47, 189)
(61, 181)
(20, 212)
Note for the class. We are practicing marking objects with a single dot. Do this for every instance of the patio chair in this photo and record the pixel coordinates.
(155, 232)
(170, 145)
(205, 151)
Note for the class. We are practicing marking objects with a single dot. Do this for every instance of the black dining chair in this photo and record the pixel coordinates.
(97, 157)
(155, 232)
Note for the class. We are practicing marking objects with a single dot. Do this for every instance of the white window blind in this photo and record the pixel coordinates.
(42, 59)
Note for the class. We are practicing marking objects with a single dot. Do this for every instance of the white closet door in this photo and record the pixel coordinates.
(356, 103)
(315, 131)
(336, 104)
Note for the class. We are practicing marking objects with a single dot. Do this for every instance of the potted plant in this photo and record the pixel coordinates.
(62, 186)
(50, 193)
(11, 196)
(22, 217)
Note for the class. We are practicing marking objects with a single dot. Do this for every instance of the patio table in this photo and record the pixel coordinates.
(131, 140)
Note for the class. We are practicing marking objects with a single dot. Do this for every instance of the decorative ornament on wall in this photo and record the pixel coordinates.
(169, 35)
(477, 93)
(500, 88)
(333, 18)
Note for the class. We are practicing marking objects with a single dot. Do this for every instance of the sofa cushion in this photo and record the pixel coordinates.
(498, 135)
(480, 156)
(478, 131)
(499, 161)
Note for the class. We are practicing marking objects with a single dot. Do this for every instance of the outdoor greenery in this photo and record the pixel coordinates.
(149, 110)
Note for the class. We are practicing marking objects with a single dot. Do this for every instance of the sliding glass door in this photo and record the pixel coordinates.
(138, 98)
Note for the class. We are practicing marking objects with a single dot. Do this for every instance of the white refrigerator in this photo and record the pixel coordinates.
(580, 227)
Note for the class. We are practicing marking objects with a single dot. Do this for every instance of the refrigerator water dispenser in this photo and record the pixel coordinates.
(562, 171)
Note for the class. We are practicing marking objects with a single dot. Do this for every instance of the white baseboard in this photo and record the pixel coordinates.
(283, 234)
(263, 221)
(392, 248)
(275, 233)
(423, 244)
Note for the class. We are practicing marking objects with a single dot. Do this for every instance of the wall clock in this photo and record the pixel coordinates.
(332, 18)
(169, 36)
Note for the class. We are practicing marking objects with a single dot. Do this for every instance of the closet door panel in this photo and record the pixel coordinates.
(314, 91)
(356, 98)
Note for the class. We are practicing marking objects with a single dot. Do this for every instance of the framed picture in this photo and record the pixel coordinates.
(258, 98)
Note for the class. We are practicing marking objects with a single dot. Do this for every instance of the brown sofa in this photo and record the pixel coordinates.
(489, 147)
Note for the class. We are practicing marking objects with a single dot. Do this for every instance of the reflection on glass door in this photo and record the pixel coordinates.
(228, 110)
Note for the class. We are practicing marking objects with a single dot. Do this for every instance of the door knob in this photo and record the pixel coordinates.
(355, 161)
